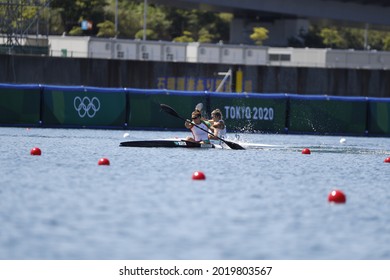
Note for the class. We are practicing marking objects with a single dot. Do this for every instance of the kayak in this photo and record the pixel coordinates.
(169, 143)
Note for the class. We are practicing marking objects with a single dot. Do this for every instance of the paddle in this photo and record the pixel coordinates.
(169, 110)
(199, 106)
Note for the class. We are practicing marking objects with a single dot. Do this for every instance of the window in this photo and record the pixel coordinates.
(279, 57)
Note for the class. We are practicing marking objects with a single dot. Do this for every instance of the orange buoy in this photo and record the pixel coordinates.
(35, 151)
(337, 196)
(306, 151)
(198, 175)
(103, 161)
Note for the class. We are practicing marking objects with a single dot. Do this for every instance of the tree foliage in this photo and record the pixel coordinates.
(106, 29)
(386, 43)
(168, 24)
(72, 12)
(162, 22)
(185, 38)
(259, 35)
(331, 37)
(342, 38)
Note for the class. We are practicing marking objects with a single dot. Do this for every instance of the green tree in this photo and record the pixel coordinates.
(204, 36)
(259, 35)
(185, 38)
(386, 43)
(331, 37)
(204, 26)
(72, 12)
(22, 19)
(131, 20)
(76, 31)
(106, 29)
(352, 38)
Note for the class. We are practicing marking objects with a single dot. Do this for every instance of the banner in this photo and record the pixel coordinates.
(145, 109)
(84, 107)
(251, 112)
(20, 104)
(379, 116)
(327, 114)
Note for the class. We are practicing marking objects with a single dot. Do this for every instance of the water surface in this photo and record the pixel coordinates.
(260, 203)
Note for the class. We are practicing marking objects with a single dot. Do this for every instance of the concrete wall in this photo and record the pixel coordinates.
(190, 76)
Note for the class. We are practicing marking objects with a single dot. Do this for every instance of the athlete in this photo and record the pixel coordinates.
(198, 128)
(218, 126)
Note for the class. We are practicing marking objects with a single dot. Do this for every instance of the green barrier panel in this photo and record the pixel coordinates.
(251, 112)
(19, 104)
(379, 116)
(145, 109)
(84, 107)
(327, 115)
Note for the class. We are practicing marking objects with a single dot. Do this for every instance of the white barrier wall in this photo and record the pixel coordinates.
(125, 49)
(100, 48)
(174, 52)
(72, 46)
(149, 50)
(208, 53)
(280, 56)
(255, 55)
(232, 54)
(69, 46)
(309, 57)
(357, 59)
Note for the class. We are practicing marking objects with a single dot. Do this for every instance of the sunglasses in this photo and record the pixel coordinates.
(194, 118)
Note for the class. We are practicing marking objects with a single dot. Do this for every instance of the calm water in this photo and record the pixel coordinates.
(255, 204)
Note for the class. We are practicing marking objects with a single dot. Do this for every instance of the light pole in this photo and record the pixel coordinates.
(366, 46)
(116, 18)
(145, 14)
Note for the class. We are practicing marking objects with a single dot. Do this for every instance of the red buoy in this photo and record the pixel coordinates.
(35, 151)
(198, 175)
(387, 160)
(306, 151)
(103, 161)
(337, 196)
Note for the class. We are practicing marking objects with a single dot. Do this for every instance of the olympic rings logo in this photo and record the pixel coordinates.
(85, 106)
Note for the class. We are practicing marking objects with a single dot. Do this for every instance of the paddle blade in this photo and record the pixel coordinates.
(199, 107)
(169, 110)
(233, 146)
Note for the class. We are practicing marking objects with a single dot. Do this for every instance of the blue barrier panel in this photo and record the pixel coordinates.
(84, 107)
(251, 112)
(20, 104)
(145, 109)
(78, 106)
(327, 114)
(379, 116)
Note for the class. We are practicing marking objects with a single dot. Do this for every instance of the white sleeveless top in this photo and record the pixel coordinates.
(200, 135)
(221, 133)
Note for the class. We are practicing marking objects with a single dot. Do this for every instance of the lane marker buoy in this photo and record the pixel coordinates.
(343, 140)
(337, 196)
(103, 161)
(35, 151)
(306, 151)
(387, 160)
(198, 175)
